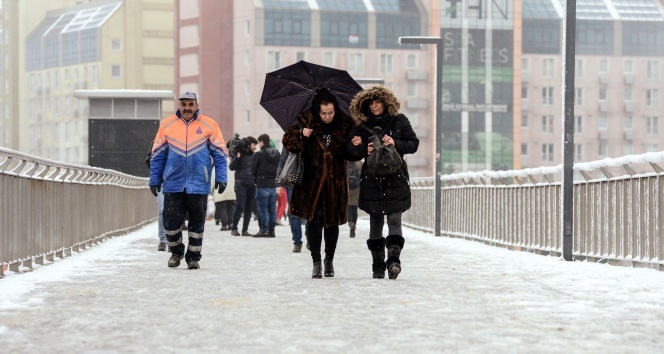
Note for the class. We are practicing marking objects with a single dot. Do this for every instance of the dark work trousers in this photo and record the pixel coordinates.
(376, 225)
(244, 202)
(175, 207)
(226, 209)
(315, 229)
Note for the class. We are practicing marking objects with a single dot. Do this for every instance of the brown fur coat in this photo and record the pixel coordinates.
(325, 173)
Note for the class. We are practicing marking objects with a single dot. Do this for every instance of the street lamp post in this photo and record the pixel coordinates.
(438, 41)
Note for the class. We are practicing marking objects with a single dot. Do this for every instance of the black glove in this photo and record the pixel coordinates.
(155, 189)
(220, 187)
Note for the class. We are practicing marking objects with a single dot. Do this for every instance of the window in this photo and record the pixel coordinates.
(627, 122)
(652, 70)
(628, 94)
(652, 98)
(524, 120)
(273, 60)
(247, 58)
(116, 71)
(578, 152)
(67, 77)
(247, 87)
(627, 149)
(524, 64)
(116, 45)
(328, 59)
(547, 124)
(95, 75)
(300, 56)
(651, 147)
(56, 108)
(603, 150)
(524, 149)
(578, 68)
(578, 124)
(547, 95)
(412, 89)
(247, 28)
(356, 63)
(56, 79)
(548, 69)
(652, 126)
(602, 123)
(411, 61)
(247, 117)
(603, 66)
(603, 93)
(385, 63)
(547, 152)
(628, 66)
(578, 99)
(524, 92)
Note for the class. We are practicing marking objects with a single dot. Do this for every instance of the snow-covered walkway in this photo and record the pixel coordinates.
(255, 296)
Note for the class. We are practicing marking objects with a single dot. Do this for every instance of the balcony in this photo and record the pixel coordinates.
(416, 75)
(416, 103)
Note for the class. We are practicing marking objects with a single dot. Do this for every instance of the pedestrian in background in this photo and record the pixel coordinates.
(294, 221)
(322, 198)
(245, 187)
(389, 195)
(354, 177)
(264, 165)
(225, 204)
(161, 232)
(186, 146)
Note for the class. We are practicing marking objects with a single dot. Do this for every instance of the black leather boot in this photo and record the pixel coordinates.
(377, 248)
(394, 244)
(329, 267)
(316, 273)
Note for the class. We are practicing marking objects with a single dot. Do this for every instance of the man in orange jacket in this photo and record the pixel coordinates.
(183, 153)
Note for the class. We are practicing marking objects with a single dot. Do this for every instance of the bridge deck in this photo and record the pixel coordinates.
(254, 295)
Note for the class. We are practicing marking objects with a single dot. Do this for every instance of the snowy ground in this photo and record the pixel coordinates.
(256, 296)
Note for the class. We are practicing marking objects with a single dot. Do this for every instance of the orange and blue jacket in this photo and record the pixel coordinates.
(183, 154)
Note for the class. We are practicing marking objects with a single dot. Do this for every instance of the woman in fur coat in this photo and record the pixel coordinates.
(322, 199)
(386, 195)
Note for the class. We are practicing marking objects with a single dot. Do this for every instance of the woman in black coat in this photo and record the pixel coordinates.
(386, 195)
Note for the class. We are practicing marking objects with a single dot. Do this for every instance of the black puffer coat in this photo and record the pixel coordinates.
(242, 167)
(387, 194)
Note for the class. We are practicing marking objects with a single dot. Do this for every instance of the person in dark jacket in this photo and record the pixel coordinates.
(385, 195)
(294, 221)
(322, 198)
(264, 169)
(245, 187)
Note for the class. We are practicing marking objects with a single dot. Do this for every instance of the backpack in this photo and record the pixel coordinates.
(353, 175)
(384, 160)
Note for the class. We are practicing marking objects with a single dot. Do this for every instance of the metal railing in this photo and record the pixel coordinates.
(49, 208)
(618, 215)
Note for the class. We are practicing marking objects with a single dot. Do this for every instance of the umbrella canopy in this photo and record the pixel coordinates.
(289, 91)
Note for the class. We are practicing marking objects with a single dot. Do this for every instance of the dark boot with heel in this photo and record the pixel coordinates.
(394, 245)
(316, 273)
(329, 267)
(377, 248)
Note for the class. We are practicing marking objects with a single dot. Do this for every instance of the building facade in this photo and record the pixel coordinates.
(360, 36)
(76, 45)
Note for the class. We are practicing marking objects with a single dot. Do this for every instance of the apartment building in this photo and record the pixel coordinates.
(57, 47)
(360, 36)
(619, 80)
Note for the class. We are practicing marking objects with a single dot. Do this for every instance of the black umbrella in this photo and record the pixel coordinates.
(290, 90)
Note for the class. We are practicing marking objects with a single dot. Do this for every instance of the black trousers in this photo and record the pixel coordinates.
(352, 215)
(376, 223)
(245, 196)
(176, 205)
(224, 212)
(315, 229)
